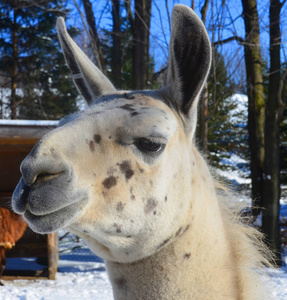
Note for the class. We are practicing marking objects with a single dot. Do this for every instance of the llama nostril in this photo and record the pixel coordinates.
(46, 176)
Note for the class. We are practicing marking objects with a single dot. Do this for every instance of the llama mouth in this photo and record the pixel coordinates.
(48, 206)
(54, 221)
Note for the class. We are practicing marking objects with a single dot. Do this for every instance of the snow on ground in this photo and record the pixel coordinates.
(82, 275)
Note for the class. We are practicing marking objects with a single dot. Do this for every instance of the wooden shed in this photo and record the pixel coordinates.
(17, 138)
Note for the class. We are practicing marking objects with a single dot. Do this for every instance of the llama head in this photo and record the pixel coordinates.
(119, 173)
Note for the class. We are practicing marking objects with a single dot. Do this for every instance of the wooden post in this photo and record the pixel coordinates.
(53, 254)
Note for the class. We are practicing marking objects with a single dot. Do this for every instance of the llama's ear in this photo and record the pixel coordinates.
(90, 81)
(189, 61)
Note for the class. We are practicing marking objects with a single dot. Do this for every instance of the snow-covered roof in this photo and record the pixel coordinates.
(28, 123)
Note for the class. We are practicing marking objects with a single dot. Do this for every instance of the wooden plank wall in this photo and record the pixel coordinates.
(16, 141)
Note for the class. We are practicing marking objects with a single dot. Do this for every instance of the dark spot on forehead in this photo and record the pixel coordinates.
(110, 182)
(92, 146)
(129, 96)
(128, 107)
(150, 205)
(126, 169)
(97, 138)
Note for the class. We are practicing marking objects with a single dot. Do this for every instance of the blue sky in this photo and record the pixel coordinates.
(232, 52)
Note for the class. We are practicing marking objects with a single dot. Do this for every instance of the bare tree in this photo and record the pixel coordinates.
(274, 112)
(256, 103)
(203, 114)
(140, 26)
(117, 48)
(94, 37)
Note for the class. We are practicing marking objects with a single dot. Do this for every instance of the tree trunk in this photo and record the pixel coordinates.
(274, 111)
(141, 43)
(203, 115)
(100, 61)
(117, 50)
(13, 100)
(203, 120)
(256, 105)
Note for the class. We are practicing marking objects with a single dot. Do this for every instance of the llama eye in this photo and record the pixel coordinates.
(146, 145)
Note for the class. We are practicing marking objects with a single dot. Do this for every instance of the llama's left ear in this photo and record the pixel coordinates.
(189, 62)
(90, 81)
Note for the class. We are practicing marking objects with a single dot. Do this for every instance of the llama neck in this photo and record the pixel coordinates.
(176, 272)
(194, 266)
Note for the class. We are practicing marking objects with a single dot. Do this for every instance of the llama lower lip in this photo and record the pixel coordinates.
(52, 222)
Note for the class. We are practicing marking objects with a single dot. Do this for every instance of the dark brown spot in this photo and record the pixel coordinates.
(164, 242)
(150, 205)
(121, 283)
(154, 212)
(128, 107)
(178, 232)
(120, 206)
(117, 227)
(126, 169)
(133, 114)
(92, 146)
(97, 138)
(165, 199)
(186, 256)
(132, 195)
(186, 228)
(110, 182)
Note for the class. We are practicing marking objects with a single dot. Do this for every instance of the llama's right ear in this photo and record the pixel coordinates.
(189, 62)
(90, 81)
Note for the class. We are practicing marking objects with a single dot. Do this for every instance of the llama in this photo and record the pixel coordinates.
(12, 229)
(125, 175)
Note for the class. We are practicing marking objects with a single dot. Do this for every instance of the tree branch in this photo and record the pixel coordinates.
(239, 39)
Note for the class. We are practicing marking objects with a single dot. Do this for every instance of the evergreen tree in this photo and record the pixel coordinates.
(227, 135)
(32, 62)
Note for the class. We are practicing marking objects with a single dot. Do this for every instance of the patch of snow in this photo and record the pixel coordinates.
(241, 108)
(237, 173)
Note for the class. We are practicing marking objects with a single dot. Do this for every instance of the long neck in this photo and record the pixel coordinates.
(177, 272)
(194, 266)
